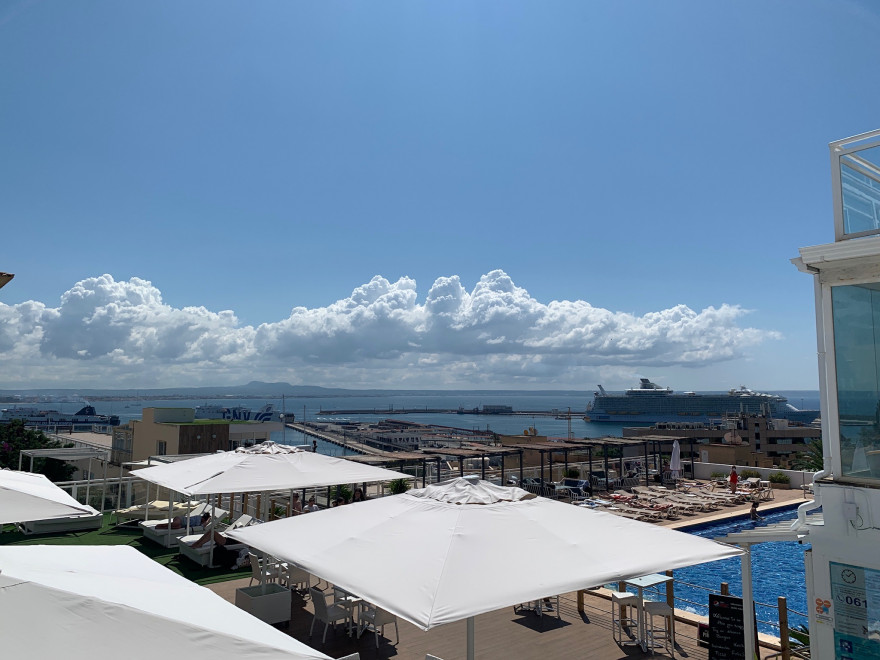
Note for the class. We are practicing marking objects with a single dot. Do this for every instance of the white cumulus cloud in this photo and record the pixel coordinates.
(121, 333)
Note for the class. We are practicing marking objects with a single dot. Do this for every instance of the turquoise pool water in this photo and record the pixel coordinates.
(777, 570)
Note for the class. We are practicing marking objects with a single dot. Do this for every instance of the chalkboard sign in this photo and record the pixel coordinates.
(726, 628)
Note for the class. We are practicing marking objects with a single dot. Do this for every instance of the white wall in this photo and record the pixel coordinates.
(705, 470)
(844, 541)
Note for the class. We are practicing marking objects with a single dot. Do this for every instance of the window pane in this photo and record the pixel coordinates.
(856, 313)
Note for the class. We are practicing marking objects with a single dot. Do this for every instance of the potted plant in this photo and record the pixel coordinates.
(342, 491)
(780, 480)
(398, 486)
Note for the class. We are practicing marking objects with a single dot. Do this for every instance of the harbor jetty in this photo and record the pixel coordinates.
(485, 410)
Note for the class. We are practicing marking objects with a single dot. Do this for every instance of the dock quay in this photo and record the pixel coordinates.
(391, 410)
(336, 439)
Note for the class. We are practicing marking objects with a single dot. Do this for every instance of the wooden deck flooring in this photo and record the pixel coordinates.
(499, 635)
(503, 635)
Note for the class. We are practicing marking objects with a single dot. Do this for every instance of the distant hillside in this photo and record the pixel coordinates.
(254, 389)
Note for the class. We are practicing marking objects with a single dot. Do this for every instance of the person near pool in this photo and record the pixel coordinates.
(733, 479)
(753, 512)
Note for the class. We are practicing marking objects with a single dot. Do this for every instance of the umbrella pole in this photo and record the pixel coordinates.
(213, 528)
(119, 492)
(170, 504)
(104, 488)
(89, 481)
(470, 638)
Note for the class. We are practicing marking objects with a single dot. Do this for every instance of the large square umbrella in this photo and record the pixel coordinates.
(27, 496)
(267, 466)
(263, 467)
(463, 547)
(94, 602)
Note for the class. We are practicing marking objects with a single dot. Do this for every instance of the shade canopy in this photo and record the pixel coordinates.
(26, 496)
(675, 459)
(88, 602)
(457, 549)
(267, 466)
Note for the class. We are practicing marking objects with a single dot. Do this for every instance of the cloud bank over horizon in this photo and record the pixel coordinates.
(110, 333)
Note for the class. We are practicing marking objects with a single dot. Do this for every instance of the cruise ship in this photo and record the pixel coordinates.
(267, 413)
(47, 419)
(649, 403)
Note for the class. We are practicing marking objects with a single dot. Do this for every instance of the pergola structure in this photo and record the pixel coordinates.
(650, 445)
(70, 454)
(5, 278)
(646, 448)
(402, 458)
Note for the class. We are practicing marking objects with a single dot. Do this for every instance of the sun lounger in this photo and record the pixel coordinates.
(680, 507)
(77, 523)
(646, 491)
(202, 555)
(625, 514)
(156, 509)
(168, 537)
(645, 514)
(704, 504)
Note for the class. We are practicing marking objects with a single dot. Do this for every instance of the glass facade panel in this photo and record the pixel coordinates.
(856, 318)
(861, 201)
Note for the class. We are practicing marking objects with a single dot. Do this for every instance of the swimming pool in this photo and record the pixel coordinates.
(777, 570)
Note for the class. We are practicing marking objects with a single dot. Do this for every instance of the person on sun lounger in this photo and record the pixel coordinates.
(179, 522)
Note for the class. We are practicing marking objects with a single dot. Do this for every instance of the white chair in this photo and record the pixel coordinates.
(261, 570)
(432, 657)
(326, 613)
(660, 634)
(375, 618)
(296, 578)
(623, 607)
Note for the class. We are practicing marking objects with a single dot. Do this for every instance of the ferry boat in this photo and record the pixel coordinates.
(267, 413)
(649, 403)
(47, 419)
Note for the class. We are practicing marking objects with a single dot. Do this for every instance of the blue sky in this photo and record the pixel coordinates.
(419, 182)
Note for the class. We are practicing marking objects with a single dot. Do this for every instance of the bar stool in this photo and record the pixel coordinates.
(623, 607)
(661, 634)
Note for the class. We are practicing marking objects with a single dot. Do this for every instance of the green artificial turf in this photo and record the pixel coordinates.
(109, 534)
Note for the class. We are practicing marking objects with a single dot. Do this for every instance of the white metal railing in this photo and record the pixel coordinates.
(855, 179)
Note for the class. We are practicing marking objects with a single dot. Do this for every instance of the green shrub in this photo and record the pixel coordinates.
(750, 474)
(800, 635)
(717, 475)
(573, 473)
(342, 491)
(398, 486)
(779, 478)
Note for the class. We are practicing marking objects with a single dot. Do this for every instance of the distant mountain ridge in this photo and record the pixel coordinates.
(257, 389)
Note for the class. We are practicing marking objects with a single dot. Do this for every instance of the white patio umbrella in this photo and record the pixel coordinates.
(95, 602)
(267, 466)
(263, 467)
(464, 547)
(675, 460)
(26, 496)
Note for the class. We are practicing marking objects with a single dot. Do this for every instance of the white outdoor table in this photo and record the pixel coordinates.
(350, 602)
(641, 583)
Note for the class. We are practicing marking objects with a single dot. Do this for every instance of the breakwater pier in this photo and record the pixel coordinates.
(494, 410)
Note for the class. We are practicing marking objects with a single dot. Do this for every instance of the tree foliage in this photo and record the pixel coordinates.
(811, 459)
(14, 437)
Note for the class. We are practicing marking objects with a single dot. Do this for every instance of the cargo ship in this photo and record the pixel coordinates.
(649, 403)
